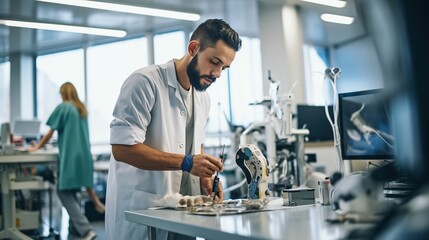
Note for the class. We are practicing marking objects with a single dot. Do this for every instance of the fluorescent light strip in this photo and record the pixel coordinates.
(128, 9)
(336, 18)
(65, 28)
(330, 3)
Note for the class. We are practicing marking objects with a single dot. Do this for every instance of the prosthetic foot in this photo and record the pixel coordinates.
(255, 167)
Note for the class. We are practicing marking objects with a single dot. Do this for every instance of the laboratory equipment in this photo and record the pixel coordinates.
(331, 76)
(5, 134)
(324, 191)
(6, 139)
(283, 144)
(298, 197)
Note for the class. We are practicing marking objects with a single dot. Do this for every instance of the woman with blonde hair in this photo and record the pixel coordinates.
(75, 164)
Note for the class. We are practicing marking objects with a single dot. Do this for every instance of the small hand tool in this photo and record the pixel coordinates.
(216, 178)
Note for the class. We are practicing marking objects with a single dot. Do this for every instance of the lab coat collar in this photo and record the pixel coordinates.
(172, 79)
(174, 83)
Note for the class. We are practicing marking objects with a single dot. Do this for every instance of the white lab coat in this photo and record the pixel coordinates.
(149, 110)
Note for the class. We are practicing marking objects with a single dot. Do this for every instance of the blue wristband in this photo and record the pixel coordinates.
(187, 162)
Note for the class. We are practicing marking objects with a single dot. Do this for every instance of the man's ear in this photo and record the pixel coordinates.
(193, 47)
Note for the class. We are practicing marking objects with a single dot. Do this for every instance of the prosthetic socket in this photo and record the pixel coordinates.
(255, 167)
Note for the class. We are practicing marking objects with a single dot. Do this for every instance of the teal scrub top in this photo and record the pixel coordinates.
(75, 166)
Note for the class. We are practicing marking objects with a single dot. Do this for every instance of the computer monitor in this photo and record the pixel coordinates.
(365, 126)
(314, 119)
(28, 129)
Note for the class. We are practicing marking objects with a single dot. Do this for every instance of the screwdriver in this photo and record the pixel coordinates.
(216, 178)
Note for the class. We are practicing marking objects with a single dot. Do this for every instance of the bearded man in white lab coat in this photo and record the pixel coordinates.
(158, 130)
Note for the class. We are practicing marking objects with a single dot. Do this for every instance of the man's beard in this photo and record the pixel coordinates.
(194, 76)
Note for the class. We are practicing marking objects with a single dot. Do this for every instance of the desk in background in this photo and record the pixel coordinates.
(302, 222)
(8, 166)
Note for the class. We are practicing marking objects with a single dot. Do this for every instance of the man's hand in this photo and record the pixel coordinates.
(207, 188)
(205, 165)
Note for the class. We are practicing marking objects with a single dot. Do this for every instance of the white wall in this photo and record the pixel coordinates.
(281, 47)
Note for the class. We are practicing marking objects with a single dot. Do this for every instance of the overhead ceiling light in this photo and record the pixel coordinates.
(330, 3)
(64, 28)
(336, 18)
(128, 9)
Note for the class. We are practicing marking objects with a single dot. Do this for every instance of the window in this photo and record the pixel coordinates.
(52, 71)
(168, 45)
(236, 89)
(315, 63)
(246, 83)
(108, 66)
(4, 92)
(219, 108)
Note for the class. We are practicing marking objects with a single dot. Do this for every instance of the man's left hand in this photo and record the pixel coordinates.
(207, 188)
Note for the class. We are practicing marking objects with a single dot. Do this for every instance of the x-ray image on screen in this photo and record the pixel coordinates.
(365, 126)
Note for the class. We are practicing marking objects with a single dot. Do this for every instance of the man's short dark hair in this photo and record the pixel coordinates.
(212, 30)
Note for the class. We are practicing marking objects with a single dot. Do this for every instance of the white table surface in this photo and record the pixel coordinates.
(301, 222)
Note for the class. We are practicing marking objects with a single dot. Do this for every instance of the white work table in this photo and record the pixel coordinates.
(301, 222)
(41, 156)
(9, 164)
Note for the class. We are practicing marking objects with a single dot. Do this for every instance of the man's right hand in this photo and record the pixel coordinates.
(205, 165)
